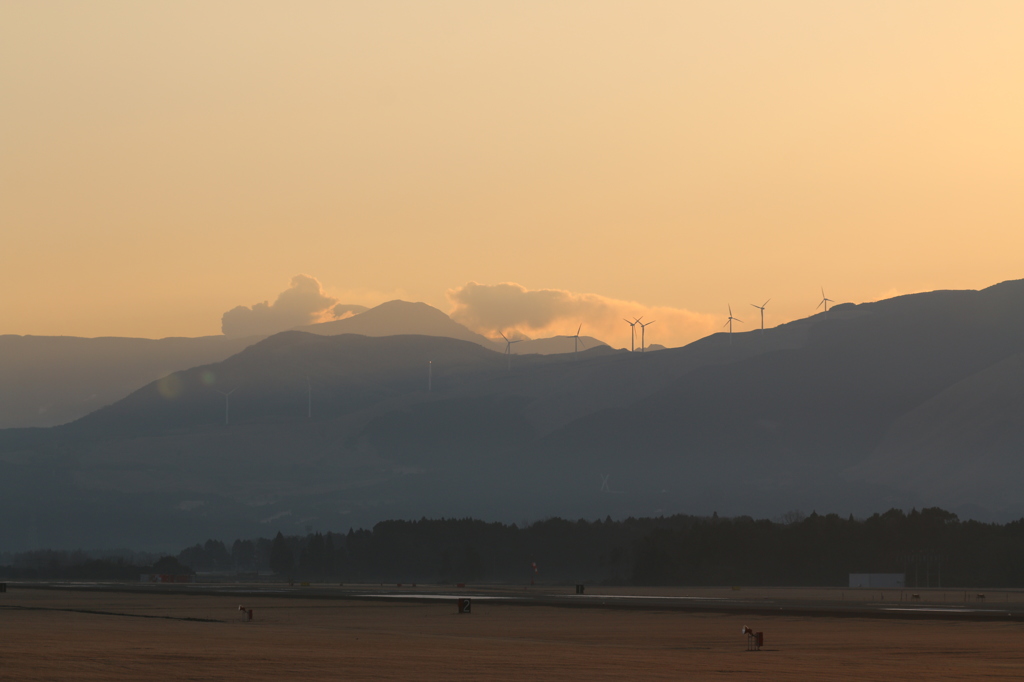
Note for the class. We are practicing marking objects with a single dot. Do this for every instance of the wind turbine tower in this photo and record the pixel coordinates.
(729, 323)
(430, 376)
(577, 341)
(227, 403)
(643, 329)
(824, 302)
(508, 349)
(632, 333)
(761, 308)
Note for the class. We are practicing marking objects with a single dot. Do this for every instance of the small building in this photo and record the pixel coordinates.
(884, 581)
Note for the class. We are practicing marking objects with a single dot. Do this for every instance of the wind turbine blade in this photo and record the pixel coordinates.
(651, 322)
(730, 310)
(756, 306)
(639, 318)
(727, 322)
(766, 303)
(737, 319)
(582, 344)
(820, 304)
(503, 336)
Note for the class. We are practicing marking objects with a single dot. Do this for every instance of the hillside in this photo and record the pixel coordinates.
(909, 401)
(552, 345)
(50, 380)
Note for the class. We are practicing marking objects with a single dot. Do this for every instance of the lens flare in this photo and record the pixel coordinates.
(169, 386)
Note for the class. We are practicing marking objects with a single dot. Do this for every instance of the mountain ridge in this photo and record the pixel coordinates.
(842, 411)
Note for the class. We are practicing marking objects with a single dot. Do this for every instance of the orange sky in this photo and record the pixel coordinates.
(162, 163)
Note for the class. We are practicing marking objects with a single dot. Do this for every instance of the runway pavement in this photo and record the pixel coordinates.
(831, 602)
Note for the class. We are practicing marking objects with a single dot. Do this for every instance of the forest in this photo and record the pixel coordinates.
(932, 547)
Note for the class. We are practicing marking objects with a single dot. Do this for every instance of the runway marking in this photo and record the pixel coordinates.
(641, 596)
(93, 612)
(481, 597)
(938, 609)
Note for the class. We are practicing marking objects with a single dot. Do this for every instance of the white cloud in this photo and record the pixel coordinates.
(510, 307)
(304, 302)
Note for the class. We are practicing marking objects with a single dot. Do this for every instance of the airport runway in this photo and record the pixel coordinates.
(891, 604)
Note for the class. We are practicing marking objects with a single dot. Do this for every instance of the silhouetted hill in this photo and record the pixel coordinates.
(50, 380)
(910, 401)
(553, 345)
(851, 417)
(399, 317)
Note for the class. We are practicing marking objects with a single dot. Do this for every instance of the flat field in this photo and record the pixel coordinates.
(81, 635)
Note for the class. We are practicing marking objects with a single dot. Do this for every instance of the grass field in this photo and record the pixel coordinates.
(75, 635)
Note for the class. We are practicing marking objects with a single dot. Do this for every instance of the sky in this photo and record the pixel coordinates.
(524, 166)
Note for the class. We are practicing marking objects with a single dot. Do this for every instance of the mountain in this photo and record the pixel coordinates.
(912, 401)
(50, 380)
(399, 317)
(552, 345)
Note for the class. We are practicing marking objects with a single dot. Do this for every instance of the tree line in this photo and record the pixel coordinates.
(931, 546)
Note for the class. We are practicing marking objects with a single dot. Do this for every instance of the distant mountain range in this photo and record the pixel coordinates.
(552, 346)
(399, 317)
(912, 401)
(52, 380)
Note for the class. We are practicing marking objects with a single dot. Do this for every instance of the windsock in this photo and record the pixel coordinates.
(534, 564)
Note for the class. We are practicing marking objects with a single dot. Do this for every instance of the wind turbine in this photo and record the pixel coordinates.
(729, 323)
(643, 329)
(761, 308)
(604, 483)
(577, 341)
(508, 349)
(227, 402)
(632, 335)
(824, 301)
(430, 375)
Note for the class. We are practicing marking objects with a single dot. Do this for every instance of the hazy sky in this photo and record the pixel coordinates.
(162, 163)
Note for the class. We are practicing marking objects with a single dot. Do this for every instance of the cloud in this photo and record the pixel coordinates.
(304, 302)
(510, 307)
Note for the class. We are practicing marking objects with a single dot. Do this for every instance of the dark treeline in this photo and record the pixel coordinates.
(932, 547)
(46, 564)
